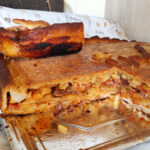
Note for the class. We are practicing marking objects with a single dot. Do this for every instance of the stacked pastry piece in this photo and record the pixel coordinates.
(104, 73)
(38, 39)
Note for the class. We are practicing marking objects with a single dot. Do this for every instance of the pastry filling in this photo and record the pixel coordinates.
(117, 88)
(99, 88)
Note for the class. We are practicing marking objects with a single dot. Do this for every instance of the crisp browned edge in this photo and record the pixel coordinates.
(105, 39)
(5, 78)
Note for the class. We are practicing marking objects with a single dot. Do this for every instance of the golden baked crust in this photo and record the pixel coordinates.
(31, 24)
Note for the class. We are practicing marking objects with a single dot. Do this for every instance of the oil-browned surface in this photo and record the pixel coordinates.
(60, 67)
(55, 68)
(57, 39)
(51, 69)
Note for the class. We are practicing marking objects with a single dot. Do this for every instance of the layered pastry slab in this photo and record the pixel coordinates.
(107, 72)
(53, 83)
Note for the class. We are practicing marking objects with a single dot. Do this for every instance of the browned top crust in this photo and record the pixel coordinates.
(53, 69)
(56, 39)
(95, 57)
(132, 57)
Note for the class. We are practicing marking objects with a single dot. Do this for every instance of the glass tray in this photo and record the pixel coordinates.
(86, 131)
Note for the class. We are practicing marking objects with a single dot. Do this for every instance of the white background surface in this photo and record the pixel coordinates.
(86, 7)
(132, 15)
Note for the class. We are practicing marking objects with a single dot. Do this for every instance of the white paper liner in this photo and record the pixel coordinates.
(92, 25)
